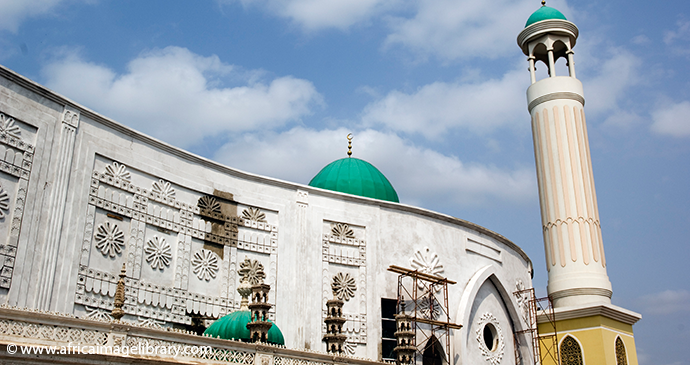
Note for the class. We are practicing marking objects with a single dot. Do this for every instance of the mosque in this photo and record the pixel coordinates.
(113, 238)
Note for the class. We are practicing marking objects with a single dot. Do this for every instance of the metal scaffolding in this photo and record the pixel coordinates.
(544, 343)
(428, 307)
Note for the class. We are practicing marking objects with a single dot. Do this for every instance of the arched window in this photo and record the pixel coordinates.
(621, 358)
(433, 352)
(571, 353)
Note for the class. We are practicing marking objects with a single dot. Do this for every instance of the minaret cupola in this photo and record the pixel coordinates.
(548, 36)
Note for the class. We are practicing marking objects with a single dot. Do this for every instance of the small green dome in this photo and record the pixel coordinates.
(234, 326)
(357, 177)
(544, 13)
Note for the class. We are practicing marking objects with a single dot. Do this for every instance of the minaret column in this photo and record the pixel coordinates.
(587, 327)
(552, 64)
(570, 217)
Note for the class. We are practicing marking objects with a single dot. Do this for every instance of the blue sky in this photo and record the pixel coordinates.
(434, 93)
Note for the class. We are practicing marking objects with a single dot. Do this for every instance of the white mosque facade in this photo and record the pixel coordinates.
(81, 195)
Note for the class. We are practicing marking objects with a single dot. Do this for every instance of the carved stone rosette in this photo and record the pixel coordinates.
(158, 253)
(205, 264)
(110, 239)
(426, 262)
(344, 286)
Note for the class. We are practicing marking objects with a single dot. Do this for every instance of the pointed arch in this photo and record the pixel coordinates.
(489, 274)
(571, 351)
(560, 49)
(621, 354)
(433, 352)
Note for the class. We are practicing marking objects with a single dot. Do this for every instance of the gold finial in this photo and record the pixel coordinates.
(543, 2)
(349, 145)
(119, 301)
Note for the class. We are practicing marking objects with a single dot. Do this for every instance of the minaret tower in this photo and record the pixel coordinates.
(578, 283)
(570, 217)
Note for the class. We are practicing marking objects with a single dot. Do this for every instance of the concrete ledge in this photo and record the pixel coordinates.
(588, 310)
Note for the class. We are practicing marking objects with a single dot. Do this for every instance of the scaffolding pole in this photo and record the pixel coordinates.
(545, 344)
(428, 295)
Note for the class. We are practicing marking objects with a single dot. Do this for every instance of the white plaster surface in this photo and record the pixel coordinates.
(290, 244)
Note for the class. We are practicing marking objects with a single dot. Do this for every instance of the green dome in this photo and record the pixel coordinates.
(544, 13)
(354, 176)
(234, 326)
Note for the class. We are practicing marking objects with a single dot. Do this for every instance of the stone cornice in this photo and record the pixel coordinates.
(605, 310)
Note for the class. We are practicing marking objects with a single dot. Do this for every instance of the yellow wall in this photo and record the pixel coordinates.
(597, 337)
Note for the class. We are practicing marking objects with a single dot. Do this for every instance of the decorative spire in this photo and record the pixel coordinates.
(251, 273)
(543, 2)
(245, 290)
(119, 300)
(334, 337)
(349, 145)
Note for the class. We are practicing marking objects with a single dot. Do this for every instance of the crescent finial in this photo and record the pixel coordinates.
(349, 145)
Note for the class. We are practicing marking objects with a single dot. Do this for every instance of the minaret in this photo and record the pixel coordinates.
(578, 283)
(570, 218)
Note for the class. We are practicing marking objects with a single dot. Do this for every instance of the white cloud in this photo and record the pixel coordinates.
(641, 39)
(13, 12)
(438, 107)
(418, 174)
(448, 29)
(174, 94)
(673, 120)
(682, 32)
(608, 79)
(319, 14)
(666, 302)
(457, 29)
(677, 39)
(623, 120)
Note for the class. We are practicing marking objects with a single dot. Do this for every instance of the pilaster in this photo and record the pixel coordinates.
(61, 163)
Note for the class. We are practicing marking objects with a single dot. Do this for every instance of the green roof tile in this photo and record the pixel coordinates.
(357, 177)
(234, 326)
(544, 13)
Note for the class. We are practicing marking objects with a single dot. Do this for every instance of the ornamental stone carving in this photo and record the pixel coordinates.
(428, 263)
(7, 126)
(4, 203)
(118, 171)
(522, 299)
(150, 322)
(110, 240)
(490, 338)
(342, 230)
(205, 264)
(429, 307)
(97, 314)
(209, 203)
(254, 214)
(251, 271)
(349, 348)
(343, 286)
(158, 253)
(163, 188)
